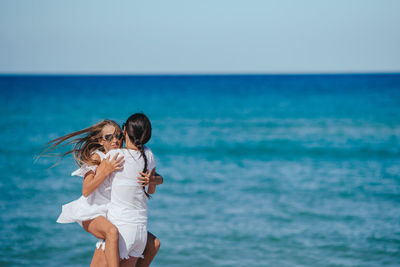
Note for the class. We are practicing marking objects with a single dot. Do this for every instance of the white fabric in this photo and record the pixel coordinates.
(84, 169)
(128, 208)
(86, 208)
(122, 197)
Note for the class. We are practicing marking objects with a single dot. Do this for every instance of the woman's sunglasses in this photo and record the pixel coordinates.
(110, 137)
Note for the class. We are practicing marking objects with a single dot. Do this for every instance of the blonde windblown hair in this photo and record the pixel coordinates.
(85, 143)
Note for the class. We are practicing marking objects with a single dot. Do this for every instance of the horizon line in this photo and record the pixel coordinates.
(196, 73)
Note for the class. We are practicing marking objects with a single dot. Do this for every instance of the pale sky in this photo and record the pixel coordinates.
(203, 36)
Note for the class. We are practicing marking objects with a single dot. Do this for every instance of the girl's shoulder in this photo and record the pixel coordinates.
(99, 154)
(96, 156)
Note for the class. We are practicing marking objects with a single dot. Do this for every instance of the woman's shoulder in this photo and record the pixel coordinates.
(112, 152)
(150, 158)
(147, 150)
(129, 152)
(149, 154)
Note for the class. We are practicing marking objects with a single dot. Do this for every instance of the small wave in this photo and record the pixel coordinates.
(282, 149)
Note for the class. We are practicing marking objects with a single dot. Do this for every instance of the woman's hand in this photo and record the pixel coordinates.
(149, 178)
(108, 166)
(93, 180)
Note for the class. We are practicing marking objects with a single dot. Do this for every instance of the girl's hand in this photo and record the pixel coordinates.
(108, 166)
(146, 178)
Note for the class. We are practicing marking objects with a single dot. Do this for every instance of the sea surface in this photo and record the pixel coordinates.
(259, 170)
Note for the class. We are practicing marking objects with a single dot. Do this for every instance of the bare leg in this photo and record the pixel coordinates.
(99, 259)
(100, 227)
(129, 262)
(152, 247)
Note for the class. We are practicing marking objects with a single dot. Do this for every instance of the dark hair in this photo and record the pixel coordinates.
(84, 146)
(138, 128)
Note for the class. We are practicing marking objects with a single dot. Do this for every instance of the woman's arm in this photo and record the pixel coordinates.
(151, 189)
(156, 179)
(93, 179)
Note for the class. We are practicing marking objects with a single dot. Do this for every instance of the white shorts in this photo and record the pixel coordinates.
(132, 240)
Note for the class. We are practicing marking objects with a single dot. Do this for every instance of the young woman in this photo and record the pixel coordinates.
(90, 210)
(128, 208)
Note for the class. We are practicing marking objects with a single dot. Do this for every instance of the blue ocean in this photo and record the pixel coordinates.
(259, 170)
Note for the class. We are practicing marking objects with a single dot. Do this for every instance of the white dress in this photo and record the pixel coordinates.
(128, 208)
(92, 206)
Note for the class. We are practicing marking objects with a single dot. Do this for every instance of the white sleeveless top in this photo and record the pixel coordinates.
(128, 200)
(128, 208)
(92, 206)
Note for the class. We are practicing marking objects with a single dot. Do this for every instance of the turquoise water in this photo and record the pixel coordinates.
(284, 170)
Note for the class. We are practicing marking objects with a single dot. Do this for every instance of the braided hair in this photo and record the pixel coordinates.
(138, 128)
